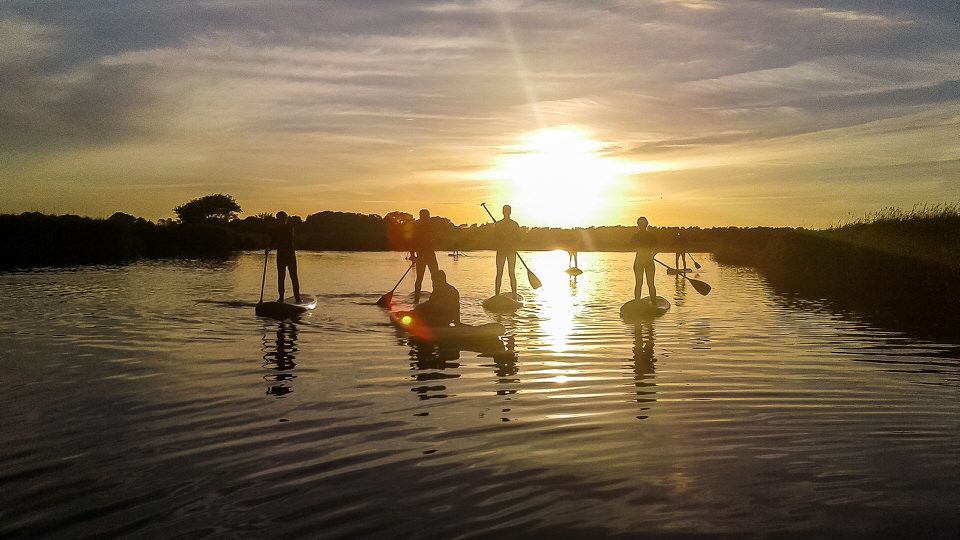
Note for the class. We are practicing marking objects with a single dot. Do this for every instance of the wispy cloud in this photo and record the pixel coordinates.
(341, 100)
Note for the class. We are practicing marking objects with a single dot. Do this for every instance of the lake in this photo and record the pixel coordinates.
(148, 400)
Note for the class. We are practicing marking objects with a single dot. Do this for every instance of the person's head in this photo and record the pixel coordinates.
(282, 216)
(439, 278)
(642, 223)
(424, 214)
(507, 210)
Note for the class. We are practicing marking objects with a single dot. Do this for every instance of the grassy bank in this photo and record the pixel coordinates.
(900, 267)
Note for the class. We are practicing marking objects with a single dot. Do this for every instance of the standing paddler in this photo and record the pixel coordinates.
(644, 243)
(681, 251)
(507, 236)
(424, 244)
(281, 239)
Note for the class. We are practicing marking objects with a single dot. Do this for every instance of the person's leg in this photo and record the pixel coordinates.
(281, 276)
(501, 258)
(575, 263)
(676, 260)
(650, 270)
(684, 255)
(294, 278)
(432, 264)
(421, 266)
(638, 277)
(512, 268)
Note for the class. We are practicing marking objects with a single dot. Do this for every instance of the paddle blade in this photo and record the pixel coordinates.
(696, 264)
(386, 300)
(701, 287)
(534, 280)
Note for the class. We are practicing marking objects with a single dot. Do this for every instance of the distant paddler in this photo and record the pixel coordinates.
(423, 252)
(281, 239)
(681, 251)
(644, 243)
(572, 245)
(507, 237)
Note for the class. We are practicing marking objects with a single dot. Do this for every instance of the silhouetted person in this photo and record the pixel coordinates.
(681, 252)
(443, 306)
(281, 239)
(507, 234)
(424, 244)
(573, 246)
(645, 244)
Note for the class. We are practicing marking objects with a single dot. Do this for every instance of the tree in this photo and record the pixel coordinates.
(217, 207)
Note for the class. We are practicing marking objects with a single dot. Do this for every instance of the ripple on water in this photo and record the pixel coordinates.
(147, 400)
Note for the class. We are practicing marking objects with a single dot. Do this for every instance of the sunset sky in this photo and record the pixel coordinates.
(692, 112)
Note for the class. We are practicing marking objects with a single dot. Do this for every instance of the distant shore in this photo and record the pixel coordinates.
(894, 264)
(33, 240)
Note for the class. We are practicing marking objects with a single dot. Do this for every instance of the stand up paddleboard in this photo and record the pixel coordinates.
(447, 334)
(675, 271)
(574, 271)
(503, 302)
(287, 309)
(643, 308)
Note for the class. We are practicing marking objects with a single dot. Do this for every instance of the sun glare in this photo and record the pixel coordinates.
(561, 177)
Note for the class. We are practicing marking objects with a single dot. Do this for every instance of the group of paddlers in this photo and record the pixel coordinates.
(443, 306)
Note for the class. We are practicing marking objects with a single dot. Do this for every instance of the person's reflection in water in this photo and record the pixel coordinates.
(505, 368)
(681, 291)
(429, 363)
(279, 355)
(644, 365)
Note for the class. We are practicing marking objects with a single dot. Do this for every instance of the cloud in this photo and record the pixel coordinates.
(851, 16)
(342, 99)
(25, 42)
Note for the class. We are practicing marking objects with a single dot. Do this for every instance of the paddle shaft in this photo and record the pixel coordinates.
(401, 278)
(484, 205)
(263, 280)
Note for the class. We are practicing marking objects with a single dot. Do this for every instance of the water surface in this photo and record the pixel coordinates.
(149, 400)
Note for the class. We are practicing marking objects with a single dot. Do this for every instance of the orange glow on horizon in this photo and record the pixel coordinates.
(562, 177)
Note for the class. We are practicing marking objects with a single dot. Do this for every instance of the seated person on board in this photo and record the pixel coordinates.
(443, 307)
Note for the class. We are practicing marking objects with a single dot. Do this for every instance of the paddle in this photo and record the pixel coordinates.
(263, 280)
(695, 263)
(700, 286)
(534, 280)
(387, 299)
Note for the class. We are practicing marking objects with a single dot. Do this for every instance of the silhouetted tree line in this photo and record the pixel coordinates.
(209, 227)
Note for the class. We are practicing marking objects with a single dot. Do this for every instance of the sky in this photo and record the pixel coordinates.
(690, 112)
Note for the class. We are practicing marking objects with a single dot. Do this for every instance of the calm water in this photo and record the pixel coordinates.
(148, 400)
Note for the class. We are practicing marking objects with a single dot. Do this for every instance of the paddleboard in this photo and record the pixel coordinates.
(454, 334)
(574, 271)
(424, 296)
(503, 302)
(288, 309)
(643, 308)
(675, 271)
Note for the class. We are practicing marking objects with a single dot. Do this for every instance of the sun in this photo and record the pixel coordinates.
(561, 177)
